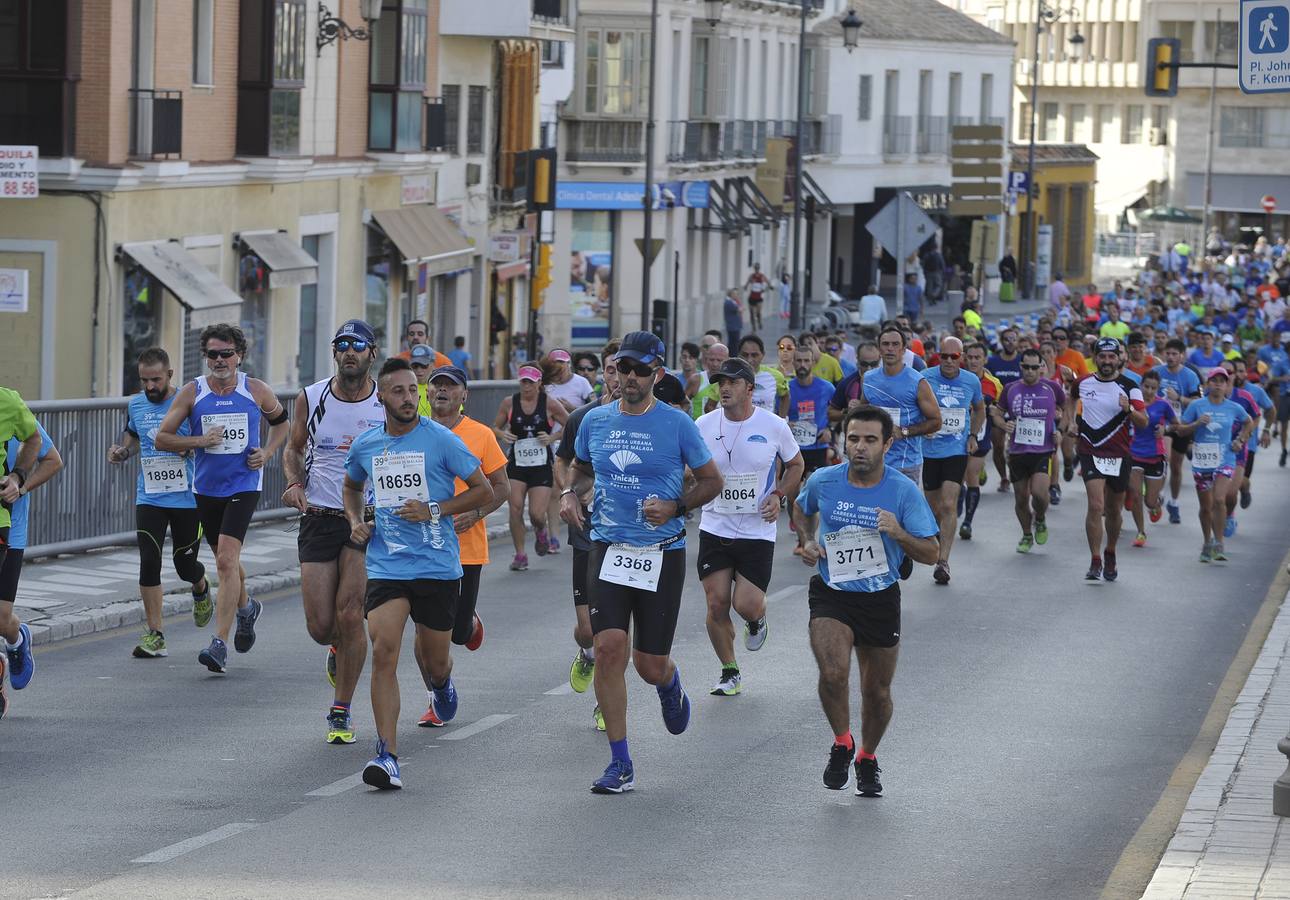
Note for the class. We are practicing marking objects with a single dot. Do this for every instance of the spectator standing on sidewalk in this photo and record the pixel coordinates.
(733, 311)
(912, 297)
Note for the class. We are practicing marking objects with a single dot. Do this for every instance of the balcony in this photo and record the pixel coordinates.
(551, 12)
(931, 136)
(156, 123)
(537, 18)
(745, 139)
(897, 136)
(604, 141)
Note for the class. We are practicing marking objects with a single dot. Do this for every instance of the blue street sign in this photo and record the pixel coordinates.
(1264, 64)
(1018, 182)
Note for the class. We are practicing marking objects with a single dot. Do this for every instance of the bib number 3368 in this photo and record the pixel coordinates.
(636, 567)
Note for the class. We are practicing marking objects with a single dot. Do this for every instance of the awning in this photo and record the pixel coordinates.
(507, 271)
(423, 234)
(194, 285)
(286, 260)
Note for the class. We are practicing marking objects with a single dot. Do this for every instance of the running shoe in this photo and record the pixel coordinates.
(1094, 572)
(941, 574)
(520, 563)
(1205, 555)
(1054, 495)
(837, 772)
(1068, 471)
(1229, 528)
(1282, 464)
(599, 718)
(1041, 531)
(619, 777)
(214, 657)
(1217, 551)
(965, 532)
(553, 544)
(1025, 544)
(22, 664)
(985, 476)
(444, 701)
(4, 697)
(676, 707)
(203, 607)
(755, 634)
(1140, 540)
(340, 726)
(244, 637)
(541, 542)
(331, 665)
(1155, 512)
(383, 771)
(428, 718)
(1175, 516)
(1246, 498)
(867, 782)
(476, 639)
(1003, 486)
(581, 672)
(727, 685)
(1109, 571)
(906, 568)
(151, 645)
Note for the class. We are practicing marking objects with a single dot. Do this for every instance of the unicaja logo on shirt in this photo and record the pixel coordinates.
(624, 458)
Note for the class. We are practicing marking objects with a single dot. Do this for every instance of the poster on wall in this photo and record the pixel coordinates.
(13, 290)
(591, 278)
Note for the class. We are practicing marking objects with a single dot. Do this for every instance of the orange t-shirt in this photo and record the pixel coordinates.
(1074, 360)
(1149, 362)
(479, 440)
(439, 358)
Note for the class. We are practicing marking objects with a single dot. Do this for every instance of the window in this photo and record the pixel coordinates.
(1076, 216)
(764, 109)
(1220, 41)
(203, 42)
(1184, 31)
(553, 54)
(1048, 124)
(987, 98)
(397, 76)
(271, 73)
(452, 118)
(140, 319)
(866, 98)
(1131, 127)
(1104, 124)
(1130, 51)
(924, 93)
(1077, 130)
(475, 119)
(1241, 126)
(37, 91)
(253, 286)
(955, 97)
(891, 93)
(614, 72)
(1114, 41)
(1159, 124)
(1023, 122)
(708, 77)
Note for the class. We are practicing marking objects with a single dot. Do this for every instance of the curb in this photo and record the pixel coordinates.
(127, 612)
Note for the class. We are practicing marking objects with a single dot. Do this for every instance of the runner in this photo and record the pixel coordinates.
(329, 415)
(224, 410)
(582, 670)
(946, 453)
(1108, 405)
(1263, 407)
(714, 355)
(1029, 412)
(771, 393)
(1181, 385)
(809, 397)
(423, 362)
(974, 477)
(16, 421)
(756, 286)
(163, 501)
(908, 401)
(525, 425)
(737, 532)
(1148, 453)
(871, 518)
(565, 385)
(1213, 456)
(1006, 367)
(449, 387)
(634, 451)
(412, 554)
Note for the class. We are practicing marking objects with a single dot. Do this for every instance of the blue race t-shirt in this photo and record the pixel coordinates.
(1223, 417)
(898, 395)
(841, 504)
(1199, 359)
(809, 403)
(400, 550)
(955, 396)
(143, 418)
(18, 512)
(1146, 446)
(636, 458)
(1264, 402)
(1185, 382)
(460, 357)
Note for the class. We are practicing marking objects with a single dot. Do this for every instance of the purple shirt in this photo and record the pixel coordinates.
(1034, 408)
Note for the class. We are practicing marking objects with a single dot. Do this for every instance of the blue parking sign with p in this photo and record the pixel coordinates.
(1017, 182)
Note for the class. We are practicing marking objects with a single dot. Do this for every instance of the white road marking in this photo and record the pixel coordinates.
(165, 854)
(476, 727)
(560, 690)
(338, 787)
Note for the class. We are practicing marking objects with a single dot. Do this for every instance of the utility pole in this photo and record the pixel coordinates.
(647, 249)
(1209, 142)
(796, 306)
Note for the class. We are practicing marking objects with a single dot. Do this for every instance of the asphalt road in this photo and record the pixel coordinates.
(1037, 719)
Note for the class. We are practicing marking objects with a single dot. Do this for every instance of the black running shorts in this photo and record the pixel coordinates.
(814, 459)
(467, 596)
(10, 572)
(937, 472)
(874, 619)
(322, 537)
(226, 515)
(748, 557)
(533, 476)
(1023, 465)
(652, 614)
(1116, 484)
(433, 600)
(1151, 468)
(581, 560)
(1182, 445)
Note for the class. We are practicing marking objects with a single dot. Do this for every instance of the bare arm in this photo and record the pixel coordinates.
(978, 419)
(123, 448)
(707, 484)
(500, 485)
(925, 550)
(352, 497)
(930, 409)
(168, 437)
(270, 408)
(478, 493)
(501, 426)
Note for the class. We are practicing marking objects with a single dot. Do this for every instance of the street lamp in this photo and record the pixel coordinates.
(1046, 16)
(332, 27)
(851, 30)
(712, 11)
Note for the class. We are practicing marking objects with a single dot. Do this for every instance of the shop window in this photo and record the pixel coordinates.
(376, 292)
(141, 322)
(253, 286)
(306, 354)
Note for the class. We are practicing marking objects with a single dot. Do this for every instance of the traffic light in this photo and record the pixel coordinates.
(1163, 55)
(541, 278)
(541, 176)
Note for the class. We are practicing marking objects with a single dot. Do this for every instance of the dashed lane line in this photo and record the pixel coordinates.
(165, 854)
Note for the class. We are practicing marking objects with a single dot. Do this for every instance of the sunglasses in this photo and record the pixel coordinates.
(586, 368)
(420, 365)
(787, 347)
(220, 354)
(357, 346)
(640, 370)
(1031, 368)
(866, 365)
(951, 356)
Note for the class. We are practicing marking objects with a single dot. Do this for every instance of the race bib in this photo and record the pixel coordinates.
(739, 495)
(399, 477)
(529, 452)
(855, 554)
(1206, 456)
(894, 412)
(636, 567)
(1030, 432)
(164, 474)
(1176, 407)
(1108, 465)
(953, 420)
(804, 432)
(236, 432)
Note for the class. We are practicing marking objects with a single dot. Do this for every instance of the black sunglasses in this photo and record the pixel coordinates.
(586, 368)
(1031, 368)
(220, 354)
(357, 346)
(640, 370)
(861, 364)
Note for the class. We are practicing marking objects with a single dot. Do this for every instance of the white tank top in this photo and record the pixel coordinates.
(333, 425)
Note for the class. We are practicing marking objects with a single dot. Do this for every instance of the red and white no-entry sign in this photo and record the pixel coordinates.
(1268, 202)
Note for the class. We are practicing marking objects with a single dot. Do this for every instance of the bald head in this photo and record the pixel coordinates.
(714, 356)
(951, 344)
(951, 356)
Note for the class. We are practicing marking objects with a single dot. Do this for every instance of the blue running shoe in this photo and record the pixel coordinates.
(22, 664)
(214, 657)
(619, 777)
(1175, 515)
(445, 701)
(244, 637)
(1229, 529)
(676, 707)
(383, 771)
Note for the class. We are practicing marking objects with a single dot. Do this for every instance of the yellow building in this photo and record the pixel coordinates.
(1065, 175)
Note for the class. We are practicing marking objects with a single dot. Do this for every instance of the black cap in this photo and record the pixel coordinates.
(642, 346)
(453, 372)
(1107, 345)
(669, 390)
(735, 367)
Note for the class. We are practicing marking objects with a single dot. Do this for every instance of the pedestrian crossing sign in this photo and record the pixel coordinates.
(1264, 64)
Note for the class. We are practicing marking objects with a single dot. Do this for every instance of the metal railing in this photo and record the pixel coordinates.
(604, 140)
(156, 122)
(90, 503)
(931, 136)
(896, 135)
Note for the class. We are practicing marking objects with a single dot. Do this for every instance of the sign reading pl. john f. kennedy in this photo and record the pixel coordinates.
(629, 194)
(1264, 66)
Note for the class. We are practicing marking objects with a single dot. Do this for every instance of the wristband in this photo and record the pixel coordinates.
(567, 491)
(19, 473)
(298, 484)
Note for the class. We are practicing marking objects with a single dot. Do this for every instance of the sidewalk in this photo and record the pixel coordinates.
(1229, 844)
(69, 596)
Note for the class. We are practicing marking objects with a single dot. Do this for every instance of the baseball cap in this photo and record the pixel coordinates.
(356, 329)
(453, 372)
(669, 389)
(1285, 336)
(1216, 372)
(1227, 339)
(560, 356)
(1107, 345)
(530, 373)
(642, 346)
(736, 367)
(421, 355)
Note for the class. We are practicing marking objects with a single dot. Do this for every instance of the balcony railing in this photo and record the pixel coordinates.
(897, 134)
(551, 12)
(931, 136)
(604, 140)
(156, 123)
(436, 125)
(745, 139)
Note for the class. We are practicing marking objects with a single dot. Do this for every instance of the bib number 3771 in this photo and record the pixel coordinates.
(636, 567)
(855, 554)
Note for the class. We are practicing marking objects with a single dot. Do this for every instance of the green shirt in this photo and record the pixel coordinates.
(1117, 330)
(828, 368)
(17, 421)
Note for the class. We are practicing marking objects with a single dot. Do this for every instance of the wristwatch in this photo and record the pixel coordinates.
(681, 508)
(433, 506)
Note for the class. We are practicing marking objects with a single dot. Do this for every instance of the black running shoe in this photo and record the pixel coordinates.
(1068, 471)
(244, 636)
(868, 784)
(906, 568)
(1094, 572)
(1110, 573)
(837, 774)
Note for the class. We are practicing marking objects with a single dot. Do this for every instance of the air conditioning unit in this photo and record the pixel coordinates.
(1159, 137)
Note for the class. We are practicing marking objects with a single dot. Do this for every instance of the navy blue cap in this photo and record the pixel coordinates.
(356, 329)
(1107, 345)
(642, 346)
(453, 372)
(669, 390)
